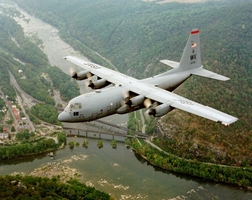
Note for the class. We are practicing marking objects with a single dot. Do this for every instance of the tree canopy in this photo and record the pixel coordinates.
(30, 187)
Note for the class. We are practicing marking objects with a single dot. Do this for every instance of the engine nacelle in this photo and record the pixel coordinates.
(81, 75)
(160, 110)
(124, 109)
(98, 84)
(135, 101)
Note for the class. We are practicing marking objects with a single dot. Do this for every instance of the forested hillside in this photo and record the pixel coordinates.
(20, 52)
(135, 35)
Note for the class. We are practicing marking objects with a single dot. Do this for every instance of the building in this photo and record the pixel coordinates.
(4, 136)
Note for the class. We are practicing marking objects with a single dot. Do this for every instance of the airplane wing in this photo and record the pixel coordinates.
(190, 106)
(100, 71)
(154, 93)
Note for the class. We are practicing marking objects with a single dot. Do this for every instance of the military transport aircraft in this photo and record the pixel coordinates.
(128, 94)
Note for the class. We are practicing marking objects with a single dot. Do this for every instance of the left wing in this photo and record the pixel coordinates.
(154, 93)
(100, 71)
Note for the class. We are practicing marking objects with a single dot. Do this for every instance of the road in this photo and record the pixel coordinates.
(28, 101)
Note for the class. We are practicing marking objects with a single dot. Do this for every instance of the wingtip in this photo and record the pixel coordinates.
(223, 78)
(234, 119)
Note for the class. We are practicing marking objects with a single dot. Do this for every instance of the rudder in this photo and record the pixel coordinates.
(191, 57)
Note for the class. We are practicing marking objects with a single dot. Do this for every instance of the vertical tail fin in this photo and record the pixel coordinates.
(191, 60)
(191, 57)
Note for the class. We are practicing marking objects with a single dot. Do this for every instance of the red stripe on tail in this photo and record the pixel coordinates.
(195, 31)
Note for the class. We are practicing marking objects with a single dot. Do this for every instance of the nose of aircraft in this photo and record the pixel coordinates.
(64, 117)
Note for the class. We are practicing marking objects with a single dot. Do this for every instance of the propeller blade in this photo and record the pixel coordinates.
(147, 103)
(73, 71)
(126, 97)
(126, 94)
(89, 75)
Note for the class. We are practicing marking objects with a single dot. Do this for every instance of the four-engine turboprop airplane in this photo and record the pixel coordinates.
(129, 94)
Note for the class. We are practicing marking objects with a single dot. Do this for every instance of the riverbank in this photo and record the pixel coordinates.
(59, 169)
(26, 148)
(123, 173)
(27, 187)
(237, 176)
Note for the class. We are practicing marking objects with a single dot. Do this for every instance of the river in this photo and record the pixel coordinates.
(126, 175)
(120, 171)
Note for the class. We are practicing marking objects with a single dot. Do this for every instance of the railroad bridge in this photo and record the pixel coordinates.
(103, 127)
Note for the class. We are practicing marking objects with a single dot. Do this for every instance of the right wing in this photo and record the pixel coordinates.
(176, 101)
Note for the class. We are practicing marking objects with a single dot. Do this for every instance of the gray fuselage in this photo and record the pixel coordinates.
(104, 102)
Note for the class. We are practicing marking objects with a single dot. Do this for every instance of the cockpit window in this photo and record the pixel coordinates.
(77, 106)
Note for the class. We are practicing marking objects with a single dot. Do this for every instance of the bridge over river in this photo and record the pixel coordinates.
(102, 128)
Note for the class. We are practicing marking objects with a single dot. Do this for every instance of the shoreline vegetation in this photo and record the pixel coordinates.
(24, 187)
(236, 176)
(153, 152)
(51, 180)
(31, 148)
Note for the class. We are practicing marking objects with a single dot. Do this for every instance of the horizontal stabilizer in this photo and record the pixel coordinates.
(208, 74)
(170, 63)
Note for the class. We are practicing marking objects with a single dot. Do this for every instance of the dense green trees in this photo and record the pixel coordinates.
(46, 113)
(61, 81)
(24, 135)
(2, 103)
(30, 59)
(71, 144)
(241, 176)
(33, 62)
(26, 148)
(29, 187)
(61, 137)
(6, 87)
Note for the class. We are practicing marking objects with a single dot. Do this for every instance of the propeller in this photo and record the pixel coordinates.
(73, 71)
(147, 103)
(126, 97)
(89, 78)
